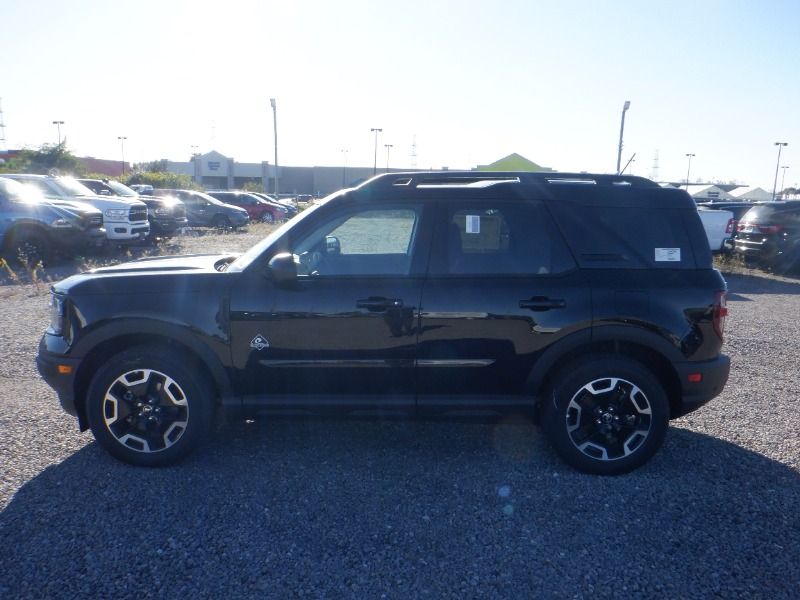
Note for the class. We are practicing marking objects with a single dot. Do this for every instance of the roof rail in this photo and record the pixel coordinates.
(483, 179)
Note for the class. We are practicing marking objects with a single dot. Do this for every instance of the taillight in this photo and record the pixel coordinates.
(731, 226)
(770, 228)
(719, 312)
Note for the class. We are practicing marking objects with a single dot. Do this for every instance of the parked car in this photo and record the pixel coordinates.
(718, 225)
(203, 210)
(167, 215)
(429, 294)
(257, 208)
(142, 188)
(289, 205)
(38, 230)
(738, 209)
(769, 233)
(125, 221)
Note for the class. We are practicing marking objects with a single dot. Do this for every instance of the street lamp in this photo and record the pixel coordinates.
(375, 163)
(344, 167)
(625, 108)
(688, 169)
(780, 146)
(783, 179)
(388, 148)
(122, 139)
(275, 130)
(58, 124)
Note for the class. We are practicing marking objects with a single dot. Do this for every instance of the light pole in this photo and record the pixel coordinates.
(375, 163)
(780, 146)
(783, 180)
(388, 149)
(625, 108)
(688, 169)
(122, 139)
(344, 167)
(58, 124)
(275, 130)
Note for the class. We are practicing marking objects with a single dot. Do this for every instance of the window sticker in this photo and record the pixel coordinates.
(668, 254)
(473, 224)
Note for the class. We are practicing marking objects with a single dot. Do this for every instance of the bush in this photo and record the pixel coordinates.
(179, 181)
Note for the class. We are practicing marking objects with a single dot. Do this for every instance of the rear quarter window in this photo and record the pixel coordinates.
(624, 237)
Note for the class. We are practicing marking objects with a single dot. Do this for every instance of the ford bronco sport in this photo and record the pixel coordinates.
(587, 301)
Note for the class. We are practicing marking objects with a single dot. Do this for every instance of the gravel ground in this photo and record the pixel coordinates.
(351, 509)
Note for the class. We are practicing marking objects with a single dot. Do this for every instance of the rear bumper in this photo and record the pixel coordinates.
(713, 377)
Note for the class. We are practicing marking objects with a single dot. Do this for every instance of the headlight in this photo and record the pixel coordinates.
(61, 224)
(56, 314)
(163, 212)
(117, 214)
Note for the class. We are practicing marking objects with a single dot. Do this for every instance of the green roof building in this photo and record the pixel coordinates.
(514, 162)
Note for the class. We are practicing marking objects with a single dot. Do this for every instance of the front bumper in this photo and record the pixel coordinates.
(167, 225)
(124, 231)
(713, 377)
(62, 382)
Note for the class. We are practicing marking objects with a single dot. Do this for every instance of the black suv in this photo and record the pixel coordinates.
(589, 301)
(769, 233)
(203, 210)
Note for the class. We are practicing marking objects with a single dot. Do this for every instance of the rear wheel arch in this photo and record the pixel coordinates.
(576, 348)
(203, 360)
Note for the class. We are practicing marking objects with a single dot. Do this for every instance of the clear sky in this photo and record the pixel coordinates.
(471, 81)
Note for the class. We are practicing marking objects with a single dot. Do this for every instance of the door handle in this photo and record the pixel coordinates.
(379, 303)
(542, 303)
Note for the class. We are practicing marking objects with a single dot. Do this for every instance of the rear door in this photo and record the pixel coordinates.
(502, 287)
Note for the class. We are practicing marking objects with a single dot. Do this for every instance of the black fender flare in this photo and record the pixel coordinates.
(159, 330)
(595, 335)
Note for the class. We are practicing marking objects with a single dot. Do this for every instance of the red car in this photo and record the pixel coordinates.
(258, 209)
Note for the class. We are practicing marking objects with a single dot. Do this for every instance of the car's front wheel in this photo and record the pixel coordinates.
(147, 407)
(267, 218)
(606, 415)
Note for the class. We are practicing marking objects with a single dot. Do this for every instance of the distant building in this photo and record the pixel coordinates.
(750, 194)
(704, 192)
(214, 170)
(102, 166)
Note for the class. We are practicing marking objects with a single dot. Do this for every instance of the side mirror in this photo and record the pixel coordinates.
(283, 268)
(332, 245)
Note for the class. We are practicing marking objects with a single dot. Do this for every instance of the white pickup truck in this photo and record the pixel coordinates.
(718, 225)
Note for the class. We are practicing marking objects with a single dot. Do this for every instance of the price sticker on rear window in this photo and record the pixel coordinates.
(668, 254)
(473, 224)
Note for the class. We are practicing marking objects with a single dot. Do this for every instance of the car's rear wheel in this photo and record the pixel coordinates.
(606, 415)
(146, 406)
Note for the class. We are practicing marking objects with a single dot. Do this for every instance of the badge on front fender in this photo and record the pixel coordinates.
(259, 342)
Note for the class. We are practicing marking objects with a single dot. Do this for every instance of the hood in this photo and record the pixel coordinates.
(188, 262)
(173, 274)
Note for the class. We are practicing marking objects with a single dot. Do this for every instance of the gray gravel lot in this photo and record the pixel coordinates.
(351, 509)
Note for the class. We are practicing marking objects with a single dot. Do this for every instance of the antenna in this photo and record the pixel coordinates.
(654, 171)
(2, 128)
(414, 152)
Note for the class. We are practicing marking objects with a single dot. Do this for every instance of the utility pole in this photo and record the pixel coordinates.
(375, 162)
(780, 146)
(58, 124)
(122, 139)
(275, 130)
(388, 148)
(783, 180)
(344, 167)
(688, 169)
(625, 108)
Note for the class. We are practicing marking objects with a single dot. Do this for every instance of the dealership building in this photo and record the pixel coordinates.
(214, 170)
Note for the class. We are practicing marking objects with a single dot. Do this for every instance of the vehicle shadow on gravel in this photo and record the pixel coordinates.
(739, 283)
(403, 509)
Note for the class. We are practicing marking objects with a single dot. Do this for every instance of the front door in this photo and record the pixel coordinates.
(345, 330)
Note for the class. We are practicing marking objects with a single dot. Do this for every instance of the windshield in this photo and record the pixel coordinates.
(246, 259)
(72, 187)
(120, 189)
(18, 192)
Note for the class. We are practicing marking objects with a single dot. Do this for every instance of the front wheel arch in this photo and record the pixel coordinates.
(202, 359)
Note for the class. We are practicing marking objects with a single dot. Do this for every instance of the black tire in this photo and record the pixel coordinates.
(221, 222)
(606, 415)
(29, 248)
(267, 217)
(149, 406)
